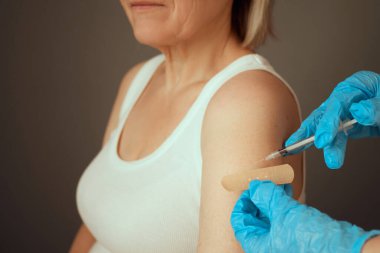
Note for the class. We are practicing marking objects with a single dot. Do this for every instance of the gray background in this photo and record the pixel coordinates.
(61, 63)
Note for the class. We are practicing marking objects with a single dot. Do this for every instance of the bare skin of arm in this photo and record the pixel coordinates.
(84, 240)
(249, 117)
(372, 245)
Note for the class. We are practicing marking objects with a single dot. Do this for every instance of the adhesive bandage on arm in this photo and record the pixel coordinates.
(281, 174)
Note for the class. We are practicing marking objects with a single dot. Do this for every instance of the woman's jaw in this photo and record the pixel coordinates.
(161, 23)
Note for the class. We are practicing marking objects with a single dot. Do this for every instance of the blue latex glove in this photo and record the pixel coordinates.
(356, 97)
(266, 219)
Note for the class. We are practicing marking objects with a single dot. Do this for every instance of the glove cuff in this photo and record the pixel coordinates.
(359, 243)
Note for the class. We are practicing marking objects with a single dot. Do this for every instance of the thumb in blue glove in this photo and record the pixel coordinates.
(266, 219)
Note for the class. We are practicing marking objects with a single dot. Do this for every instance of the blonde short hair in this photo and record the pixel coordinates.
(252, 21)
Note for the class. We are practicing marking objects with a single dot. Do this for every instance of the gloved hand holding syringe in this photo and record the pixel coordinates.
(357, 97)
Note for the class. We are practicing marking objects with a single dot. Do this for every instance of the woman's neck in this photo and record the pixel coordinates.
(198, 59)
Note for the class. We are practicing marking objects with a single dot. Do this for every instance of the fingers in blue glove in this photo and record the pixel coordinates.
(257, 199)
(367, 112)
(329, 124)
(325, 120)
(351, 90)
(335, 152)
(268, 197)
(246, 219)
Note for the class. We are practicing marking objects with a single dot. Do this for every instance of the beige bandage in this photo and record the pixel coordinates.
(281, 174)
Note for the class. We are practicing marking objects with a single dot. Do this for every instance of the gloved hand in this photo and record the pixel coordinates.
(356, 97)
(266, 219)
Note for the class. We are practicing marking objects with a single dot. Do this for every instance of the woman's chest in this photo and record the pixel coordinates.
(152, 120)
(121, 203)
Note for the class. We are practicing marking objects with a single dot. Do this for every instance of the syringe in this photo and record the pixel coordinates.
(286, 151)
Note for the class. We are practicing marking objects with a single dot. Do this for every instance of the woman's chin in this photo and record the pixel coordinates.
(153, 39)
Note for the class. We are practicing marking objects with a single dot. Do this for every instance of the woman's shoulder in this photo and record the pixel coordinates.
(254, 91)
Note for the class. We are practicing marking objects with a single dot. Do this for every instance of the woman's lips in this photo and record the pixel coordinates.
(144, 5)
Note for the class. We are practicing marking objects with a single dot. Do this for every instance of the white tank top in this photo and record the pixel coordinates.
(152, 204)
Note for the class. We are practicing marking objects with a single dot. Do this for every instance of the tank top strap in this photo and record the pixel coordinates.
(244, 63)
(139, 82)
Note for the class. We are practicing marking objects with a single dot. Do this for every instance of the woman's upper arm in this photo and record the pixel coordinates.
(249, 117)
(122, 91)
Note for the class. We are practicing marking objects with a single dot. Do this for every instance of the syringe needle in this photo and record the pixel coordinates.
(288, 150)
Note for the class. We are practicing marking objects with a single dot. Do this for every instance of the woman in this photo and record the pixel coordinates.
(206, 107)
